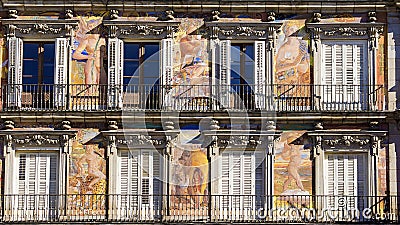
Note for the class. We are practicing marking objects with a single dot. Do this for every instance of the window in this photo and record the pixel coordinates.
(38, 74)
(346, 177)
(38, 63)
(141, 63)
(242, 72)
(37, 185)
(344, 74)
(241, 183)
(142, 73)
(139, 183)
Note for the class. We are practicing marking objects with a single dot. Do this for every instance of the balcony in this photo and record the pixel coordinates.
(199, 98)
(198, 208)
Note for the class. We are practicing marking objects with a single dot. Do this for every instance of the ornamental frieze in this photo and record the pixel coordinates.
(345, 31)
(143, 30)
(346, 141)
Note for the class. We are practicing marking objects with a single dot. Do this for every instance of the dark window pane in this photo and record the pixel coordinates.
(31, 50)
(130, 68)
(151, 50)
(131, 51)
(249, 52)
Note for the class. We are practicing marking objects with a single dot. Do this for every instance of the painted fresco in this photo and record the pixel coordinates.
(293, 167)
(190, 67)
(292, 56)
(87, 67)
(87, 175)
(382, 185)
(189, 176)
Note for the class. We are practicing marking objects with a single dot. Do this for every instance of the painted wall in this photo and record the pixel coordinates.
(87, 175)
(292, 166)
(189, 174)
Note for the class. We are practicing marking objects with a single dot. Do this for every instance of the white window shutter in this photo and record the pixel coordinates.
(224, 72)
(37, 178)
(259, 74)
(166, 61)
(61, 72)
(166, 71)
(115, 72)
(15, 59)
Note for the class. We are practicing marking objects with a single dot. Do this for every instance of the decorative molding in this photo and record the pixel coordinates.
(345, 31)
(243, 30)
(239, 140)
(39, 28)
(140, 139)
(38, 138)
(346, 141)
(141, 29)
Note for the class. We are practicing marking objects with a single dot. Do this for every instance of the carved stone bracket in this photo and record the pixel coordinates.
(141, 29)
(39, 28)
(242, 30)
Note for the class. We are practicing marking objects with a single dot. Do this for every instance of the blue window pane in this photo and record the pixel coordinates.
(130, 68)
(151, 69)
(49, 52)
(31, 50)
(30, 72)
(235, 69)
(150, 50)
(249, 51)
(131, 51)
(235, 53)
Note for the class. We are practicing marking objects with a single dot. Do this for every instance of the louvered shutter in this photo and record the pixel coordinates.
(237, 182)
(248, 184)
(157, 183)
(61, 72)
(37, 181)
(259, 74)
(136, 181)
(344, 73)
(224, 72)
(115, 72)
(345, 177)
(15, 58)
(166, 59)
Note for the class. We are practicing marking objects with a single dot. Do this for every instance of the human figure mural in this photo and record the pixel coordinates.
(292, 58)
(87, 174)
(292, 165)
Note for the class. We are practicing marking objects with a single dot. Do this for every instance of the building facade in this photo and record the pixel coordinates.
(211, 112)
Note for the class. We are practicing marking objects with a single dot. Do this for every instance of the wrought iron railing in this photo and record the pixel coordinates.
(203, 98)
(199, 208)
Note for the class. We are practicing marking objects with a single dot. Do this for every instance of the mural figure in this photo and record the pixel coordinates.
(88, 50)
(95, 164)
(294, 154)
(292, 59)
(293, 168)
(191, 72)
(189, 174)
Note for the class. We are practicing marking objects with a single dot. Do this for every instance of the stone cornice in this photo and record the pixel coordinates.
(137, 138)
(344, 30)
(246, 139)
(243, 30)
(39, 138)
(141, 29)
(343, 140)
(39, 28)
